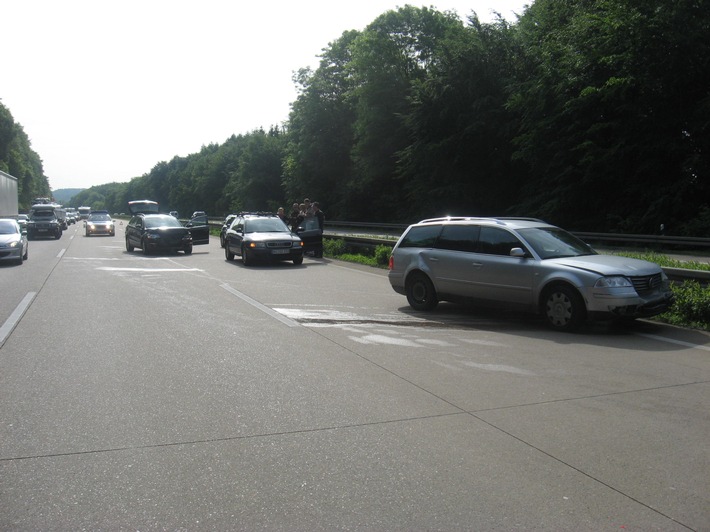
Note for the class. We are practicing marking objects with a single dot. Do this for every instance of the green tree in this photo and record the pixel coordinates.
(612, 104)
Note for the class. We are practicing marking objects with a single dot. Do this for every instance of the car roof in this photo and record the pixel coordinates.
(511, 222)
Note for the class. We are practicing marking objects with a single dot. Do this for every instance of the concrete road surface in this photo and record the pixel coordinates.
(174, 392)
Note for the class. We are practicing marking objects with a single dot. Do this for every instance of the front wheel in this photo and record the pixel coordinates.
(421, 293)
(564, 308)
(246, 259)
(144, 247)
(188, 250)
(227, 254)
(129, 247)
(298, 261)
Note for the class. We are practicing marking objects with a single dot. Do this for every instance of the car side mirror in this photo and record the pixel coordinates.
(517, 252)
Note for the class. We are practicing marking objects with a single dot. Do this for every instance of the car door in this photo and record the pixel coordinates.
(199, 229)
(235, 236)
(499, 278)
(133, 231)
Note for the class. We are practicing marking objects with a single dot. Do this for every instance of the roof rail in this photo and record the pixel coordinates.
(498, 219)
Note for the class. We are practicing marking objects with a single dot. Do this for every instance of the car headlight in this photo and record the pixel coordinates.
(152, 236)
(615, 281)
(253, 245)
(298, 244)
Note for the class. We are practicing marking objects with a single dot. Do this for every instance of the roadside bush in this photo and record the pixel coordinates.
(691, 308)
(382, 255)
(333, 247)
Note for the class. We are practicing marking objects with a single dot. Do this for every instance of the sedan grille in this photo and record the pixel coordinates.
(647, 283)
(279, 244)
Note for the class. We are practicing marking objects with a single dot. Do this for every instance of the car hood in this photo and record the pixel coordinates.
(609, 265)
(279, 235)
(6, 239)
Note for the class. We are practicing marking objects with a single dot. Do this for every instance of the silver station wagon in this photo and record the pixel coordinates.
(522, 264)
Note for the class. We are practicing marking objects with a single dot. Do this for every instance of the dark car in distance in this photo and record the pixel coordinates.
(225, 225)
(44, 222)
(157, 232)
(262, 236)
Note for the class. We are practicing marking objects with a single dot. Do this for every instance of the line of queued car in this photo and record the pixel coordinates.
(510, 263)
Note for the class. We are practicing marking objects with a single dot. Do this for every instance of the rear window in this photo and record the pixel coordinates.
(422, 236)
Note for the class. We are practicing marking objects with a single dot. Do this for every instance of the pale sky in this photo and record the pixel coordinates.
(106, 89)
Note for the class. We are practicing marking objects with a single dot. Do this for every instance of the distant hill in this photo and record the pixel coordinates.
(63, 195)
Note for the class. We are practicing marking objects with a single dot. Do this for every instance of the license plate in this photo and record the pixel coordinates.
(281, 251)
(42, 230)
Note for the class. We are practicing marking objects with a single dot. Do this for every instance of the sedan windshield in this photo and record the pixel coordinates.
(265, 225)
(553, 243)
(162, 220)
(99, 218)
(7, 227)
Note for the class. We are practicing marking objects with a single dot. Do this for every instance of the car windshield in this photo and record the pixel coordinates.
(43, 214)
(99, 217)
(553, 243)
(164, 220)
(265, 225)
(7, 227)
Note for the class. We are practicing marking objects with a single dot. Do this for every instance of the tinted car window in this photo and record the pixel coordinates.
(99, 217)
(421, 237)
(458, 237)
(496, 241)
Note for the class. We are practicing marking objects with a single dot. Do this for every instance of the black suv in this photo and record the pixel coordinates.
(43, 221)
(151, 231)
(262, 236)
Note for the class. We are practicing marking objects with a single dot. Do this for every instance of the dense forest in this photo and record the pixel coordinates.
(591, 114)
(18, 159)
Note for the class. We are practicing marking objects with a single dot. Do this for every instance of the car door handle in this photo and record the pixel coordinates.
(477, 264)
(433, 259)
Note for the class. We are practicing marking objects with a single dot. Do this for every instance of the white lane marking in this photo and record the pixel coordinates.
(149, 270)
(671, 341)
(15, 317)
(62, 252)
(259, 306)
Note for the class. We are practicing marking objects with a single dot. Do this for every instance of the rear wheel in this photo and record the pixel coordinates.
(563, 308)
(421, 293)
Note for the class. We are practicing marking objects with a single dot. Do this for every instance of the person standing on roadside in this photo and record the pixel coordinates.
(294, 217)
(319, 214)
(281, 213)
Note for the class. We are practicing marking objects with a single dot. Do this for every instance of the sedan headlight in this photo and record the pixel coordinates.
(615, 281)
(253, 245)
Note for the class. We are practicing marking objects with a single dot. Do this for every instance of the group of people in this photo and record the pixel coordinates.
(301, 212)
